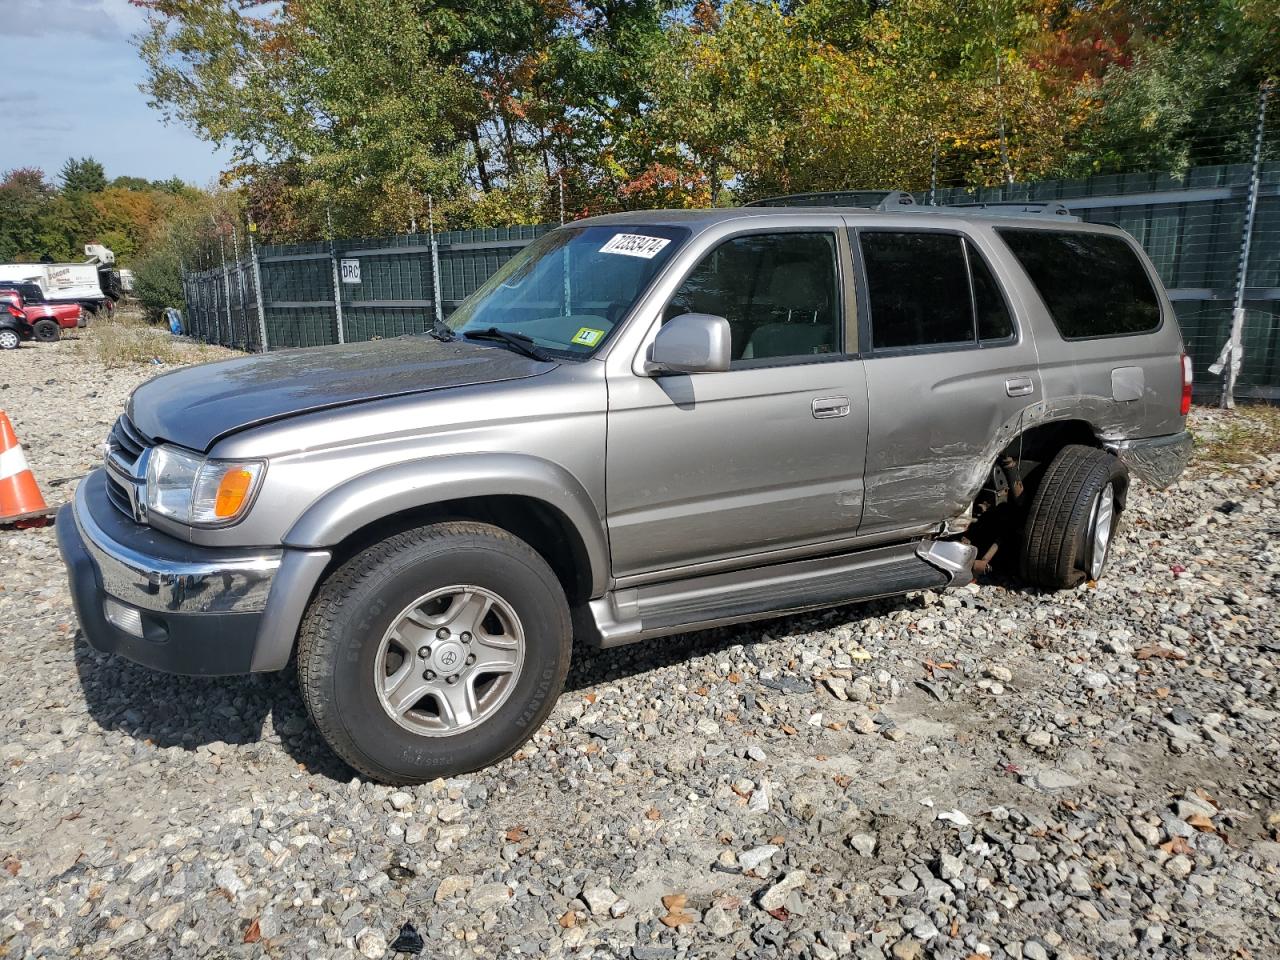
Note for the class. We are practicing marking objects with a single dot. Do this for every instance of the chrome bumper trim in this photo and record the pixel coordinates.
(184, 581)
(1157, 460)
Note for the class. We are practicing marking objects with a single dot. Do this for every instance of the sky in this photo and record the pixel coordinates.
(69, 87)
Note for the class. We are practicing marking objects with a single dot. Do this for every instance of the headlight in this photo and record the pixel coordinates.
(193, 490)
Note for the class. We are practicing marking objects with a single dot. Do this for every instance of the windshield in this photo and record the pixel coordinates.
(568, 289)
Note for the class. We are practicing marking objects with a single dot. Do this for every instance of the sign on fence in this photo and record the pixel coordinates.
(350, 271)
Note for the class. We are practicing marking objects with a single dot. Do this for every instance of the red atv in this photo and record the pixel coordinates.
(48, 318)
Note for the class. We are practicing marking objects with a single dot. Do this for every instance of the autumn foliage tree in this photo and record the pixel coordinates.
(358, 110)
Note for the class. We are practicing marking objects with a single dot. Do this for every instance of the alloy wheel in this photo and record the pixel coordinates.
(1101, 525)
(449, 661)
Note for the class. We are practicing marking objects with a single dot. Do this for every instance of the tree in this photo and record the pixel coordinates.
(25, 197)
(365, 108)
(1184, 90)
(83, 176)
(131, 183)
(193, 231)
(355, 111)
(824, 95)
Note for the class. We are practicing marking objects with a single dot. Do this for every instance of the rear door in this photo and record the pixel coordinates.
(949, 371)
(765, 456)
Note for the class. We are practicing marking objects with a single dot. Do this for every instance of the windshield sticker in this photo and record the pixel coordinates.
(588, 336)
(634, 245)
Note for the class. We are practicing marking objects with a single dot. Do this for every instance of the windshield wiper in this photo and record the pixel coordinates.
(442, 331)
(519, 341)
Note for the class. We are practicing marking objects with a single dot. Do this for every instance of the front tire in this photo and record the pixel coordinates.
(435, 652)
(48, 331)
(1073, 519)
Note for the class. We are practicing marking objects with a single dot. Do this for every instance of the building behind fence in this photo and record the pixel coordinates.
(1192, 226)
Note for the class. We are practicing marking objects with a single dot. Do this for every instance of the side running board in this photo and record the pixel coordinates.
(655, 610)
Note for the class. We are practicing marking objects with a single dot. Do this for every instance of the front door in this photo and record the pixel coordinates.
(948, 373)
(765, 456)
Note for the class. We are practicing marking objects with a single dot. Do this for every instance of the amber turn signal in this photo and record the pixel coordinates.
(231, 492)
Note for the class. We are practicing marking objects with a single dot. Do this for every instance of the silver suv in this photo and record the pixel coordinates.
(643, 424)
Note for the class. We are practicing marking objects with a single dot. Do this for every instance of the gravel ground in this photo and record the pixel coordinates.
(995, 772)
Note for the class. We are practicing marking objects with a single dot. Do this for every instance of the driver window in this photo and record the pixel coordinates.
(779, 292)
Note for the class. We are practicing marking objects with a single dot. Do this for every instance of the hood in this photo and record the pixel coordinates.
(195, 406)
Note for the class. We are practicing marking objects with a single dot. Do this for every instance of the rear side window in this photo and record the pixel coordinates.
(1093, 284)
(930, 289)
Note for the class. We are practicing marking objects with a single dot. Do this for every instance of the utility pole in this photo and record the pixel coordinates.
(1232, 355)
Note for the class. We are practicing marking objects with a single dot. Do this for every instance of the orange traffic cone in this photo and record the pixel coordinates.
(20, 498)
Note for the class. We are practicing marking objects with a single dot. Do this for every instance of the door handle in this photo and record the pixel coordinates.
(1019, 386)
(824, 408)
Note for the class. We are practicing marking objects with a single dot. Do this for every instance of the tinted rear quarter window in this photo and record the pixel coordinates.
(1093, 284)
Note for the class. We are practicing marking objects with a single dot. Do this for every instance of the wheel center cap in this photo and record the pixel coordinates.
(447, 657)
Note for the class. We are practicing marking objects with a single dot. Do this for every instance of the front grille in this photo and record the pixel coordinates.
(125, 467)
(118, 494)
(126, 439)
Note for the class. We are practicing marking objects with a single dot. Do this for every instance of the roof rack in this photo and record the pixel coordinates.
(823, 198)
(900, 201)
(1017, 208)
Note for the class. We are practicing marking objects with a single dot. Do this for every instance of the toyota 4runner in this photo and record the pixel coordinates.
(643, 424)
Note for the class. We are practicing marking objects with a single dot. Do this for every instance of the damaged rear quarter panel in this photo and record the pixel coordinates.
(939, 419)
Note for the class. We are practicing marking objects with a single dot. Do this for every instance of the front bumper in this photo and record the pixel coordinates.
(1157, 460)
(175, 606)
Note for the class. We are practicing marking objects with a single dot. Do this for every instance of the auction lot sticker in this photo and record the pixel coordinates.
(634, 245)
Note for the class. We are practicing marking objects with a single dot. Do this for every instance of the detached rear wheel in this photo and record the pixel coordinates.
(1073, 518)
(435, 652)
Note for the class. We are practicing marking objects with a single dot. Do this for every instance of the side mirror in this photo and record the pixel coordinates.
(691, 343)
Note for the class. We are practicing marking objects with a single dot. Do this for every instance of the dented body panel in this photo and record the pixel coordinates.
(1157, 460)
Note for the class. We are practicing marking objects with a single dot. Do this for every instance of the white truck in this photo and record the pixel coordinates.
(74, 282)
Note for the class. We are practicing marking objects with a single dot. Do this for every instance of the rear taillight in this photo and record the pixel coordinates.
(1185, 407)
(16, 312)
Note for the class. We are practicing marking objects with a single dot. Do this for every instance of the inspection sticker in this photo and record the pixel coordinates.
(587, 336)
(634, 245)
